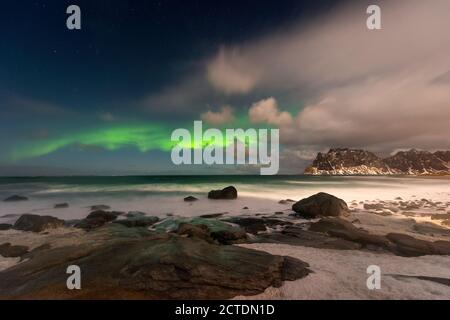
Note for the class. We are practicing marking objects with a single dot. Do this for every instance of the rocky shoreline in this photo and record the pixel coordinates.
(130, 255)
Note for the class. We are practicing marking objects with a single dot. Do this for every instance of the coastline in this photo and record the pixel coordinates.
(266, 219)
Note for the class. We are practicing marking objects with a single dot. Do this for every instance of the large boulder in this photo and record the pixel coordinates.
(15, 198)
(35, 223)
(321, 204)
(150, 267)
(226, 193)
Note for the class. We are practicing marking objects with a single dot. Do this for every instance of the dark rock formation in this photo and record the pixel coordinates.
(143, 222)
(229, 236)
(195, 231)
(297, 236)
(5, 226)
(97, 219)
(190, 199)
(100, 207)
(256, 225)
(399, 244)
(15, 198)
(226, 193)
(321, 204)
(35, 223)
(150, 266)
(211, 215)
(359, 162)
(411, 247)
(9, 251)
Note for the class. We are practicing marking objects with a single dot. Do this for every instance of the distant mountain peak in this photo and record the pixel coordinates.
(346, 161)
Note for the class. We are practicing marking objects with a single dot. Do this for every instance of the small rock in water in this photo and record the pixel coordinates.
(245, 208)
(227, 193)
(15, 198)
(190, 199)
(282, 202)
(61, 205)
(100, 207)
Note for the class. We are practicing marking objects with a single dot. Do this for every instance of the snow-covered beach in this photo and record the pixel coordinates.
(378, 205)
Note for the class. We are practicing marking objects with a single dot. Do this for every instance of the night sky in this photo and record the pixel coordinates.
(86, 101)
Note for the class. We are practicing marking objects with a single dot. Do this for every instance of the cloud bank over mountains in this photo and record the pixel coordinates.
(381, 89)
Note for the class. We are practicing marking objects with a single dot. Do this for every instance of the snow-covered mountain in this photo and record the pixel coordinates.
(344, 161)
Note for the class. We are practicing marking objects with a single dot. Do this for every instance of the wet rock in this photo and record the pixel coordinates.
(444, 216)
(226, 193)
(61, 205)
(190, 199)
(5, 226)
(138, 222)
(9, 251)
(343, 229)
(256, 225)
(321, 204)
(229, 236)
(100, 207)
(245, 208)
(297, 236)
(97, 219)
(195, 231)
(15, 198)
(105, 215)
(151, 267)
(135, 214)
(35, 223)
(430, 228)
(411, 247)
(211, 215)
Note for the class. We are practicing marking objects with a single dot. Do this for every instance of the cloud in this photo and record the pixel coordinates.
(375, 89)
(380, 90)
(225, 115)
(230, 74)
(266, 111)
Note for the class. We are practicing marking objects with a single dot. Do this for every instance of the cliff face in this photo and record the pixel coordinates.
(359, 162)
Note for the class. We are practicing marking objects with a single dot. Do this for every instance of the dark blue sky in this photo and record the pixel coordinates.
(56, 82)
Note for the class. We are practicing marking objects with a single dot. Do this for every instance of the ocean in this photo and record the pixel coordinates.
(163, 195)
